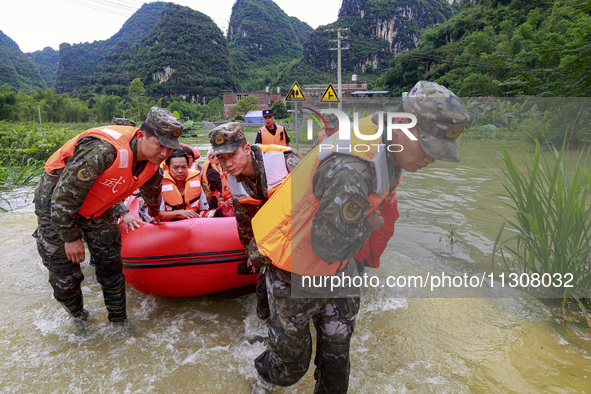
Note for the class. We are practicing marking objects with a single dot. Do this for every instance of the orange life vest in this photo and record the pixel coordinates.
(275, 170)
(280, 137)
(175, 200)
(116, 182)
(280, 234)
(226, 193)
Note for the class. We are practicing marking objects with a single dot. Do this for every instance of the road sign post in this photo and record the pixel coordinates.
(295, 95)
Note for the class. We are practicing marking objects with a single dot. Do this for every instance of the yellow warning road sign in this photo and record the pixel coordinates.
(295, 93)
(330, 96)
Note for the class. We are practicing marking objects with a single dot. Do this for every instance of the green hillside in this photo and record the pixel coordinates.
(260, 37)
(79, 62)
(503, 47)
(16, 69)
(46, 61)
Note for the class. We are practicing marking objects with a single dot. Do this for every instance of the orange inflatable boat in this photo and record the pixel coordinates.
(183, 258)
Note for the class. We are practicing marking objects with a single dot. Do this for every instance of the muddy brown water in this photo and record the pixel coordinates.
(484, 341)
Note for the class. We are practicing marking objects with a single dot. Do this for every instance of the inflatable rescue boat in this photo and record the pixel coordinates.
(183, 258)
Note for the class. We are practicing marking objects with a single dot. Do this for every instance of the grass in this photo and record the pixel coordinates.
(549, 221)
(12, 176)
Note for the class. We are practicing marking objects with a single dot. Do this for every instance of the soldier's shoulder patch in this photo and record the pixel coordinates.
(354, 208)
(87, 173)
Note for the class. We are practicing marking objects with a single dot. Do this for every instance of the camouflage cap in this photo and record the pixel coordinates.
(122, 122)
(166, 126)
(441, 118)
(226, 138)
(332, 121)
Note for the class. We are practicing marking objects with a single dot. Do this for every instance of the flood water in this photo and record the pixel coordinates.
(489, 342)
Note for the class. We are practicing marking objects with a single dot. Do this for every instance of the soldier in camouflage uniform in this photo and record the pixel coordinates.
(245, 165)
(341, 227)
(64, 188)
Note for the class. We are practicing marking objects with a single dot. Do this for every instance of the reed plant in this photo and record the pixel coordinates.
(14, 175)
(549, 220)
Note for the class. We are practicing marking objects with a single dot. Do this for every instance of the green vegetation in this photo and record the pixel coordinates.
(46, 61)
(47, 106)
(16, 68)
(545, 119)
(550, 221)
(261, 36)
(279, 110)
(503, 48)
(246, 104)
(79, 63)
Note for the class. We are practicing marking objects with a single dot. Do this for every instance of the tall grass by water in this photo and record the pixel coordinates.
(549, 222)
(24, 148)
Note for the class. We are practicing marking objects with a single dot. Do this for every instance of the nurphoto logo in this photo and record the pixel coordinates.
(342, 142)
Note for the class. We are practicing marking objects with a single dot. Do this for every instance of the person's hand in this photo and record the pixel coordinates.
(156, 218)
(250, 265)
(75, 251)
(187, 214)
(230, 203)
(131, 222)
(376, 220)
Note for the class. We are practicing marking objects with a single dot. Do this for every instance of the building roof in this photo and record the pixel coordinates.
(370, 92)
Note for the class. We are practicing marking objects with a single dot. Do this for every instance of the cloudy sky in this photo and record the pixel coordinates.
(36, 24)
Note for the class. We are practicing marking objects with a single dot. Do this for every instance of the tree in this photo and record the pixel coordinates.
(136, 91)
(106, 107)
(279, 110)
(7, 102)
(242, 107)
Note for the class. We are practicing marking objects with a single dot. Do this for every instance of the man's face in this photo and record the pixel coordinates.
(269, 120)
(412, 158)
(178, 168)
(149, 148)
(238, 162)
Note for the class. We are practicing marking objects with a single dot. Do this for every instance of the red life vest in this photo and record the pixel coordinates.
(174, 200)
(116, 182)
(280, 137)
(226, 193)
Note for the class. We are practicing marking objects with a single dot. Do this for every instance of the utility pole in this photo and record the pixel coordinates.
(338, 49)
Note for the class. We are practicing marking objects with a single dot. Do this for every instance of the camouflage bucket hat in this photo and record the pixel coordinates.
(441, 118)
(166, 126)
(226, 138)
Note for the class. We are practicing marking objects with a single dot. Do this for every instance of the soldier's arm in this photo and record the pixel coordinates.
(120, 209)
(91, 157)
(244, 215)
(339, 229)
(151, 193)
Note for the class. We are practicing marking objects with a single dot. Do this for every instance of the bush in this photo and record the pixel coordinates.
(550, 221)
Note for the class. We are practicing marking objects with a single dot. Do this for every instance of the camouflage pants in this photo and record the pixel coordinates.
(290, 341)
(103, 237)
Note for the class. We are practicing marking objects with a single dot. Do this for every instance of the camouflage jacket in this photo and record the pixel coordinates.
(256, 187)
(339, 179)
(58, 198)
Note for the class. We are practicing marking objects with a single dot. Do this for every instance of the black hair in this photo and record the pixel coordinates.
(177, 153)
(188, 151)
(147, 130)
